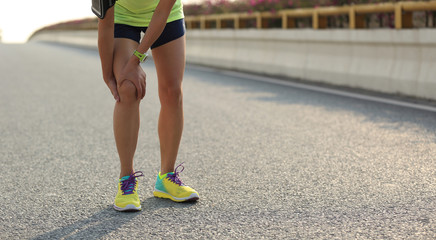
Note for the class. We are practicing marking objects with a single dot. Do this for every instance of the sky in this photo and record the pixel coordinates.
(20, 18)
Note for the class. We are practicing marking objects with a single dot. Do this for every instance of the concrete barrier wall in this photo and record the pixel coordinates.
(391, 61)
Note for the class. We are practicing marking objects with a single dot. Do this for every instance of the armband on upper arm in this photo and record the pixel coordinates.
(100, 7)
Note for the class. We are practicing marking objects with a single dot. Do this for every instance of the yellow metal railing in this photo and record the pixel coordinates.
(356, 13)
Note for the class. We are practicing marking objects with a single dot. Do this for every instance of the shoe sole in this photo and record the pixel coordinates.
(191, 198)
(128, 208)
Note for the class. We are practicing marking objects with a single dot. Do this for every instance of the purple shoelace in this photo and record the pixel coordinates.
(128, 185)
(174, 177)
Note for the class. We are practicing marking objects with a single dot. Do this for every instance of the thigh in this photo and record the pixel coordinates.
(169, 60)
(123, 50)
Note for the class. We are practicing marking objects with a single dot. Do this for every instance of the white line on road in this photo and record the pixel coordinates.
(319, 89)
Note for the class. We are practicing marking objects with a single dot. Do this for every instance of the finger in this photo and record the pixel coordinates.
(114, 90)
(115, 94)
(138, 89)
(144, 83)
(143, 89)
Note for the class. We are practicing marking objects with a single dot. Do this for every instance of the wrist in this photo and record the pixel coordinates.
(140, 56)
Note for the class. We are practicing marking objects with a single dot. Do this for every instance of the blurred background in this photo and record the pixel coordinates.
(20, 19)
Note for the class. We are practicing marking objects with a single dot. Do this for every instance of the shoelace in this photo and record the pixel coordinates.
(128, 185)
(174, 177)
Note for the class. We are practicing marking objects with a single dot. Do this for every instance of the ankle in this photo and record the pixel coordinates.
(124, 173)
(166, 170)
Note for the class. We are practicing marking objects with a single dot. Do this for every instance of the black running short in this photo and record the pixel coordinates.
(172, 31)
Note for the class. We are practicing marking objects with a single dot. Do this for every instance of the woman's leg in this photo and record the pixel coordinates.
(126, 112)
(170, 66)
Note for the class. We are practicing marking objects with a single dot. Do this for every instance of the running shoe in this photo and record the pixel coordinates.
(170, 186)
(127, 198)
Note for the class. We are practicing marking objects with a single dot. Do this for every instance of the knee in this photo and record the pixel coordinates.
(171, 95)
(127, 92)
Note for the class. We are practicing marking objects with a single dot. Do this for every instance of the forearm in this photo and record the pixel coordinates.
(154, 30)
(106, 43)
(157, 24)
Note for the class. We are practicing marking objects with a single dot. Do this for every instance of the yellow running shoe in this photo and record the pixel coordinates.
(127, 198)
(170, 186)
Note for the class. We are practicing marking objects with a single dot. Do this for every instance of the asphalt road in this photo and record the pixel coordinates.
(269, 161)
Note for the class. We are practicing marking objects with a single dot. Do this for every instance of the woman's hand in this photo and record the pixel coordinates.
(112, 85)
(133, 72)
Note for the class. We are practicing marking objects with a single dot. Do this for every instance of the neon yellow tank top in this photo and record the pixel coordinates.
(138, 13)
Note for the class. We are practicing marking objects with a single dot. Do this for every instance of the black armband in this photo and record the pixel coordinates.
(100, 7)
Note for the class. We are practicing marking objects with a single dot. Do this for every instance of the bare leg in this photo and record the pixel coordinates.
(170, 66)
(126, 112)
